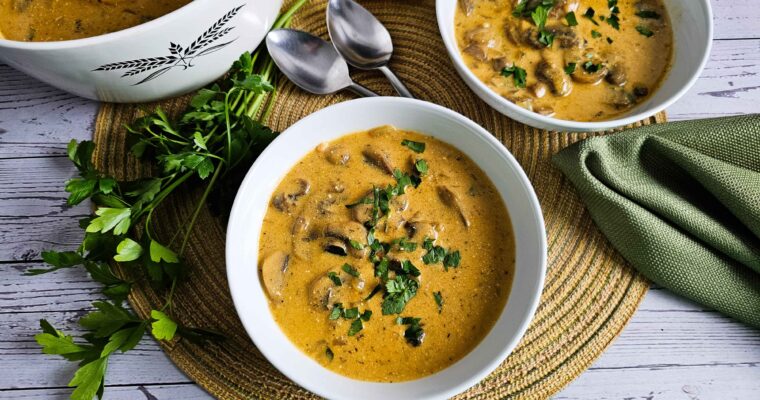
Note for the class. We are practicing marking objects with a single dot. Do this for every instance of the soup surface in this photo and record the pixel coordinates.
(583, 60)
(377, 279)
(53, 20)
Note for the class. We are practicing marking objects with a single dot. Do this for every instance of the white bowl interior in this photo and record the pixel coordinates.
(357, 115)
(692, 26)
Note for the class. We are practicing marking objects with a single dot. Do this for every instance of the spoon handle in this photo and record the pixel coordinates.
(361, 90)
(396, 82)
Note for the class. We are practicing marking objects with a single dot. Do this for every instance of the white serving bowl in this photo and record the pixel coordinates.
(331, 123)
(692, 28)
(169, 56)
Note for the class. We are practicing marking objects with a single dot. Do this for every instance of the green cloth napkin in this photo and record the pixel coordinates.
(681, 202)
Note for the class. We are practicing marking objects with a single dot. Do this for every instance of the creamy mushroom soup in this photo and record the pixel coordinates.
(53, 20)
(386, 255)
(582, 60)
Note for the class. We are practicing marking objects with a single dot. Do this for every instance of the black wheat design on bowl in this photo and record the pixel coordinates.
(178, 56)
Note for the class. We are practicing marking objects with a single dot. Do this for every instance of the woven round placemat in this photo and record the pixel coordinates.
(589, 295)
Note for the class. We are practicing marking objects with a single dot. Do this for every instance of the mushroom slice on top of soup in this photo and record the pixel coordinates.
(386, 255)
(582, 60)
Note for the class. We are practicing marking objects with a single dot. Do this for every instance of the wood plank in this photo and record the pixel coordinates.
(32, 112)
(184, 391)
(713, 382)
(729, 85)
(33, 211)
(736, 19)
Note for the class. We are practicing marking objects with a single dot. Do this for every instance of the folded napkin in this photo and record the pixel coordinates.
(681, 202)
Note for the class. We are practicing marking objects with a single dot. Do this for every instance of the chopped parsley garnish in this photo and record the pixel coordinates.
(414, 334)
(336, 311)
(405, 245)
(399, 290)
(595, 34)
(366, 315)
(539, 17)
(518, 75)
(416, 146)
(408, 268)
(438, 300)
(437, 254)
(570, 18)
(589, 14)
(335, 278)
(421, 167)
(452, 260)
(355, 244)
(350, 270)
(648, 14)
(644, 30)
(570, 68)
(329, 353)
(356, 327)
(609, 40)
(351, 313)
(522, 9)
(590, 67)
(613, 19)
(381, 269)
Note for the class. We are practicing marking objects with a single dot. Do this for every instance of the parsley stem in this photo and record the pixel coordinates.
(199, 207)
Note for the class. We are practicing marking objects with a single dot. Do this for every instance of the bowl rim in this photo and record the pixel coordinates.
(483, 90)
(110, 36)
(535, 276)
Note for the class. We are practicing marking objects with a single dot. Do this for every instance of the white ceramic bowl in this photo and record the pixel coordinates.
(169, 56)
(692, 28)
(336, 121)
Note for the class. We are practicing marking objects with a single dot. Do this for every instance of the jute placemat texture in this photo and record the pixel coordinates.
(589, 295)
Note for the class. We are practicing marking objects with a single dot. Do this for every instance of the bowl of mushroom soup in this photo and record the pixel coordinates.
(577, 65)
(135, 51)
(361, 232)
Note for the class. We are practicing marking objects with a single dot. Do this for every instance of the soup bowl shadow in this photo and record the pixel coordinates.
(692, 34)
(331, 123)
(169, 56)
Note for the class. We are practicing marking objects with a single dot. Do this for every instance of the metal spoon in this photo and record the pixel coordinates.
(311, 63)
(362, 40)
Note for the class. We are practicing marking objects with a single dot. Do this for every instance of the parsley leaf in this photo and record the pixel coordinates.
(438, 300)
(335, 278)
(163, 328)
(589, 15)
(570, 68)
(366, 315)
(128, 250)
(571, 19)
(418, 147)
(595, 34)
(336, 311)
(356, 327)
(351, 313)
(518, 75)
(421, 166)
(646, 14)
(399, 290)
(414, 334)
(452, 260)
(108, 218)
(644, 30)
(350, 270)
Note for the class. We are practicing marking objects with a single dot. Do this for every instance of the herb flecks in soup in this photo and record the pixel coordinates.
(582, 60)
(54, 20)
(386, 255)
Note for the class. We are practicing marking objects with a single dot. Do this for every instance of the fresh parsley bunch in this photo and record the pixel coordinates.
(220, 130)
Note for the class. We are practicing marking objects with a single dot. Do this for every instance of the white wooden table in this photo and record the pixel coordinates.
(672, 349)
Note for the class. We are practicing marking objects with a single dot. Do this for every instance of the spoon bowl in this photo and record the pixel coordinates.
(362, 39)
(311, 63)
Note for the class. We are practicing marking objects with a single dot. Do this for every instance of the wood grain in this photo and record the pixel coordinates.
(672, 349)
